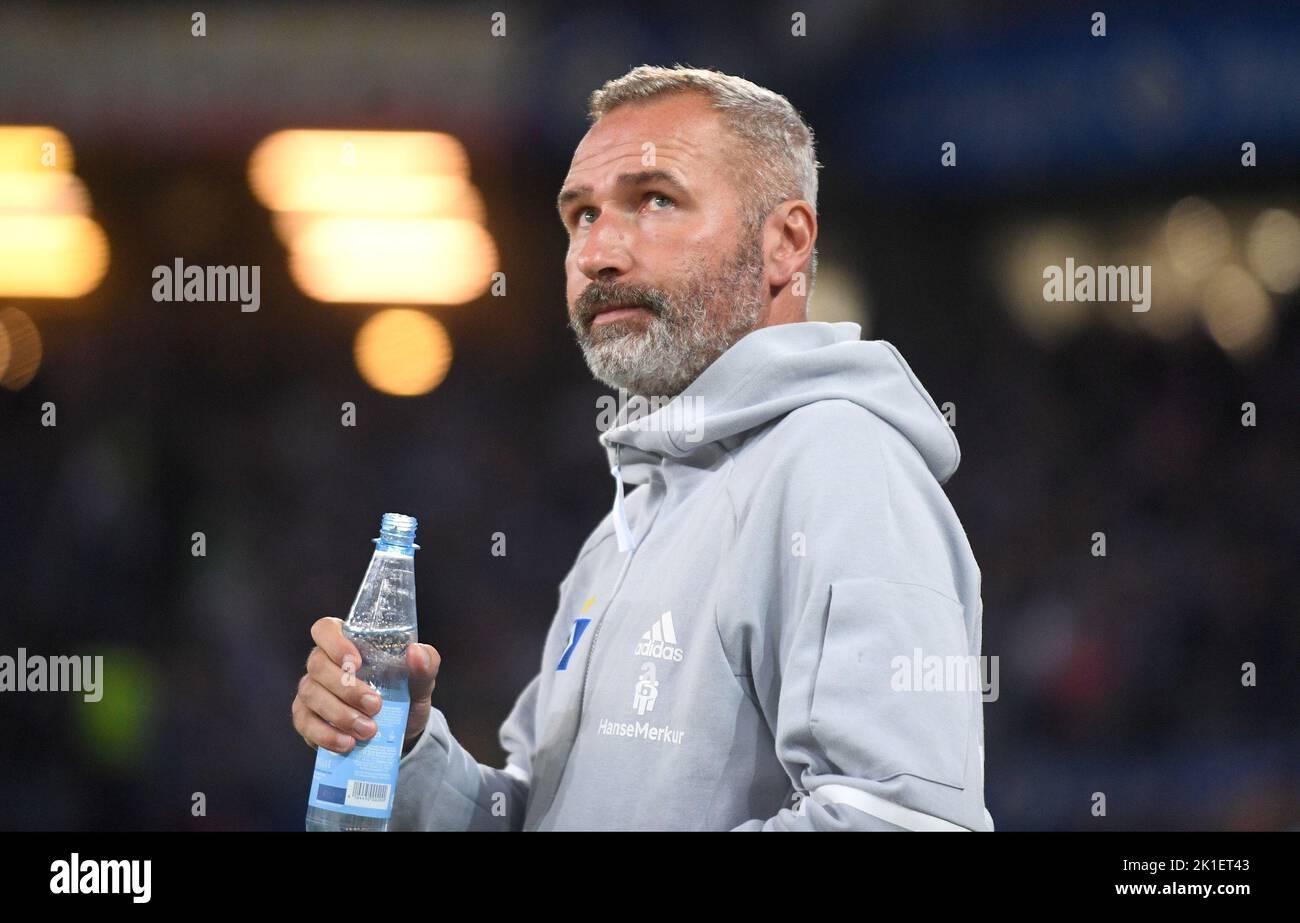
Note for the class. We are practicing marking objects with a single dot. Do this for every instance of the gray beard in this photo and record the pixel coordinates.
(661, 355)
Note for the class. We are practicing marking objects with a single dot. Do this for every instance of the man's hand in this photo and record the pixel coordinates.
(333, 709)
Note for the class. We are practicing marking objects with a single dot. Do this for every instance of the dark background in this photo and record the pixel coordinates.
(1118, 674)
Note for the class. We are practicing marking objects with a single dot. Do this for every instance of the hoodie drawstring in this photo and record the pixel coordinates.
(625, 542)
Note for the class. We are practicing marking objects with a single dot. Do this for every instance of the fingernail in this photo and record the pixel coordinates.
(370, 702)
(364, 726)
(428, 659)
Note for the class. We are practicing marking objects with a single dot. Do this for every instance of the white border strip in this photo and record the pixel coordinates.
(887, 811)
(516, 773)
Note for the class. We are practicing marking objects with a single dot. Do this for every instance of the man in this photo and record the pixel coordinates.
(737, 642)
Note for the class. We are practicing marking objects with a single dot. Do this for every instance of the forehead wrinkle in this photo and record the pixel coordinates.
(675, 151)
(632, 148)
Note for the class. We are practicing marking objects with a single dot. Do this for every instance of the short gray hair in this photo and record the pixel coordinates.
(780, 162)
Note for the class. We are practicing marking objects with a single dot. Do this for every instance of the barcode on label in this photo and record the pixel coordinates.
(366, 794)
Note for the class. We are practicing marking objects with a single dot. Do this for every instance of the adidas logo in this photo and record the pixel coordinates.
(660, 641)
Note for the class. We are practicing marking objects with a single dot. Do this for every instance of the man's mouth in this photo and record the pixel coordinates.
(608, 314)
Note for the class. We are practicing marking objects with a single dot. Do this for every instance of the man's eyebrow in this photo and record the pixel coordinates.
(641, 178)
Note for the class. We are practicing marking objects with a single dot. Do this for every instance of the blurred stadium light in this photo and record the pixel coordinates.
(376, 216)
(49, 247)
(403, 352)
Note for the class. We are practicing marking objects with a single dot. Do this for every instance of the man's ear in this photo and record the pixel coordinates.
(792, 227)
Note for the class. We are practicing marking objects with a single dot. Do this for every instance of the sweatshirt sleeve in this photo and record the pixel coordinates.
(440, 786)
(841, 644)
(868, 754)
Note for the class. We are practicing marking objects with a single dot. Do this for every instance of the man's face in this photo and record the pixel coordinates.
(663, 275)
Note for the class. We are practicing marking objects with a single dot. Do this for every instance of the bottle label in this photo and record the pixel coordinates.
(364, 780)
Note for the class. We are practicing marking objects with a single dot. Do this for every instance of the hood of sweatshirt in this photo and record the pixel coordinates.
(765, 375)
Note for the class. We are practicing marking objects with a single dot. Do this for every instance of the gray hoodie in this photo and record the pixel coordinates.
(778, 628)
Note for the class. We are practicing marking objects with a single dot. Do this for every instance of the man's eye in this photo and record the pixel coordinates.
(654, 197)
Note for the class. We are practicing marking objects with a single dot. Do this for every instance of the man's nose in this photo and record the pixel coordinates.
(606, 252)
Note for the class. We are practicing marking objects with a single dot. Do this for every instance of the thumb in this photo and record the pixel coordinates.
(422, 662)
